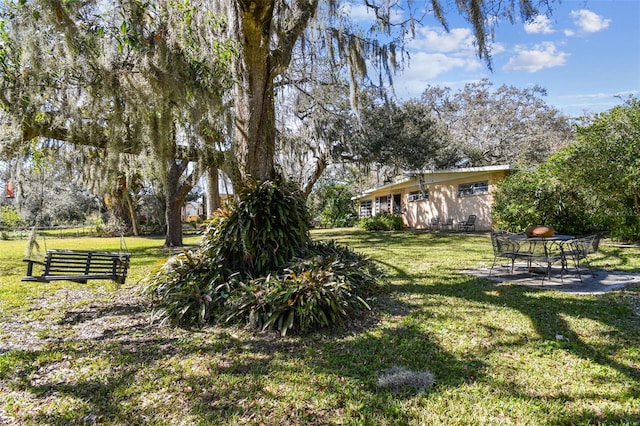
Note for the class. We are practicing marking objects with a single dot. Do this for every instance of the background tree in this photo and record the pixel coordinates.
(605, 164)
(115, 77)
(332, 205)
(47, 192)
(590, 186)
(401, 136)
(313, 116)
(503, 126)
(447, 130)
(533, 197)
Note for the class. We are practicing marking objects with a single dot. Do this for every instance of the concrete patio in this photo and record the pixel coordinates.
(601, 282)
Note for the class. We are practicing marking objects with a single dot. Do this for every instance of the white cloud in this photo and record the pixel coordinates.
(496, 48)
(436, 52)
(438, 40)
(588, 21)
(424, 68)
(362, 13)
(578, 104)
(358, 12)
(540, 25)
(616, 96)
(544, 55)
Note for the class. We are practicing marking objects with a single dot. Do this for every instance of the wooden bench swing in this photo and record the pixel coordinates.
(80, 266)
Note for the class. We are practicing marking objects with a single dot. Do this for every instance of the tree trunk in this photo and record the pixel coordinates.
(121, 206)
(173, 217)
(213, 191)
(175, 196)
(132, 214)
(254, 131)
(176, 193)
(321, 165)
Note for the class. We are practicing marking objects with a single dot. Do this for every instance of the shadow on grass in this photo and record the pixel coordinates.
(41, 373)
(546, 311)
(139, 373)
(219, 375)
(77, 316)
(616, 257)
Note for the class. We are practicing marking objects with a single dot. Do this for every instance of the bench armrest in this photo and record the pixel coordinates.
(30, 265)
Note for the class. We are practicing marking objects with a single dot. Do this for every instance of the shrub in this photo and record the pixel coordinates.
(262, 232)
(538, 197)
(334, 205)
(10, 218)
(185, 289)
(257, 265)
(322, 290)
(382, 222)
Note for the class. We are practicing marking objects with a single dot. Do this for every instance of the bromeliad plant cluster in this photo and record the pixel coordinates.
(258, 265)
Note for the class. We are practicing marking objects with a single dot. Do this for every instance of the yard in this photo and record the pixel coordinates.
(500, 354)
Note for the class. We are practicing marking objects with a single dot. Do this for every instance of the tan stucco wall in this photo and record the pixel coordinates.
(444, 201)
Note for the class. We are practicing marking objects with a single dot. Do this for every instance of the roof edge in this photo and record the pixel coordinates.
(413, 173)
(460, 170)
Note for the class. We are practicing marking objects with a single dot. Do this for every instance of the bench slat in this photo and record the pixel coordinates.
(59, 270)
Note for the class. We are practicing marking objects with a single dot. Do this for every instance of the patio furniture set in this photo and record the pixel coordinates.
(544, 250)
(465, 225)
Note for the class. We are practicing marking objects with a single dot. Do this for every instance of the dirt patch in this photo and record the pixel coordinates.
(78, 314)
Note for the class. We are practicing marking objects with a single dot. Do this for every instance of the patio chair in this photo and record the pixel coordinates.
(469, 224)
(447, 224)
(548, 253)
(579, 250)
(434, 223)
(507, 248)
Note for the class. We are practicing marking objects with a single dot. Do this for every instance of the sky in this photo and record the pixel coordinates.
(586, 55)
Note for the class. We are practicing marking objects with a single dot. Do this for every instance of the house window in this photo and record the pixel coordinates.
(474, 188)
(365, 208)
(383, 204)
(418, 195)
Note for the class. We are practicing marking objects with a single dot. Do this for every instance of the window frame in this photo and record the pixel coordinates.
(413, 196)
(387, 204)
(473, 188)
(365, 211)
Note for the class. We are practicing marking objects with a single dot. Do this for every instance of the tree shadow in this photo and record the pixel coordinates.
(217, 375)
(615, 258)
(547, 311)
(134, 351)
(92, 312)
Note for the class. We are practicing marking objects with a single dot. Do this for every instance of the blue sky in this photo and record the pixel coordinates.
(585, 54)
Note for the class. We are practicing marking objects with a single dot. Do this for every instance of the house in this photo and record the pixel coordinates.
(424, 196)
(194, 211)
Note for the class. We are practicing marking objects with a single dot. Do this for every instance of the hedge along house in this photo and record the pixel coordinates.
(424, 196)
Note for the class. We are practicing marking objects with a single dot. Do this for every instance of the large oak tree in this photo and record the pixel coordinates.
(111, 76)
(267, 32)
(164, 56)
(506, 125)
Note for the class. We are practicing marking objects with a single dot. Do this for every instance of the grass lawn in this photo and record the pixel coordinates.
(503, 355)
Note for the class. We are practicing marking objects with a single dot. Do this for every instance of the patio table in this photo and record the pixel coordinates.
(552, 250)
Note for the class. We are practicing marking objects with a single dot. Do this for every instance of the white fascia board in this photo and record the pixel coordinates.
(459, 170)
(393, 185)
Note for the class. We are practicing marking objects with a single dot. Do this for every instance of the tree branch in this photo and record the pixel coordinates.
(287, 38)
